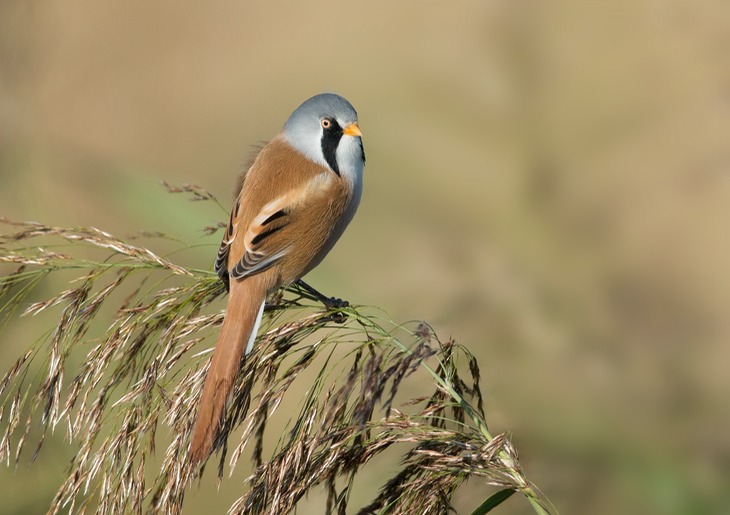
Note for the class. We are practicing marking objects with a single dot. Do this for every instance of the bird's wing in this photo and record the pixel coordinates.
(221, 260)
(298, 222)
(259, 254)
(261, 248)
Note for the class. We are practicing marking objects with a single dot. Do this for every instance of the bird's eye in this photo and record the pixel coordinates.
(326, 123)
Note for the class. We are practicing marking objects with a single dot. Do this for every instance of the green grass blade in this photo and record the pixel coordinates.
(494, 501)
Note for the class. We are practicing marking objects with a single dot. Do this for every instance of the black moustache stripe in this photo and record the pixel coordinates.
(330, 141)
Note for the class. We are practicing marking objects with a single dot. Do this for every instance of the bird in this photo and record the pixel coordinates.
(291, 206)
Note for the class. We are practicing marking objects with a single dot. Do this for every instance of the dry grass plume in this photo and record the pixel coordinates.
(115, 390)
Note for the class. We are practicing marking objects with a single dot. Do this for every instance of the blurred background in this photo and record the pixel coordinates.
(547, 182)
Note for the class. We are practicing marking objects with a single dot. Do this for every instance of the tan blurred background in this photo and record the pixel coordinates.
(548, 182)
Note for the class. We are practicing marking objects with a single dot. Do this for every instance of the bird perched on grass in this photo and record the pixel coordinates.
(293, 204)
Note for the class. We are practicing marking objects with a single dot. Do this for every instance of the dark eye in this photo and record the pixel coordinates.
(326, 123)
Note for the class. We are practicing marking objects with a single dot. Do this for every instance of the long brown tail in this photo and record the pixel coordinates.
(242, 316)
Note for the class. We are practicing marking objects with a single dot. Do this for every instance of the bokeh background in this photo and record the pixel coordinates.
(548, 182)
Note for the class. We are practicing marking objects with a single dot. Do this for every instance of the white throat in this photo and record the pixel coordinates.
(350, 161)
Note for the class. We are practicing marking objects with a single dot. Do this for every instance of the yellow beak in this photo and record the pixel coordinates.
(352, 130)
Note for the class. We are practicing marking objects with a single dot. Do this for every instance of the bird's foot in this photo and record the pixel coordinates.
(329, 302)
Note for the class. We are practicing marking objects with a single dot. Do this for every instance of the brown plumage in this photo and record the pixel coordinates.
(289, 212)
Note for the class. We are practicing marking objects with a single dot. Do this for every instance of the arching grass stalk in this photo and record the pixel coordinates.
(121, 365)
(507, 459)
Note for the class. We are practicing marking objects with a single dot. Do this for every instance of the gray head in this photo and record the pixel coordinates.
(324, 128)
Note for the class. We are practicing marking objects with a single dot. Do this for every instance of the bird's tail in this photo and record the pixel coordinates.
(240, 325)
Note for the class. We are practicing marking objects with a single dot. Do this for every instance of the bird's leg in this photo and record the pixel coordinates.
(329, 302)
